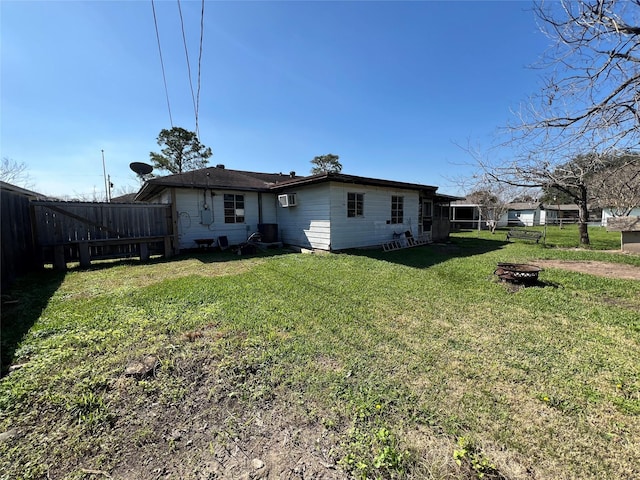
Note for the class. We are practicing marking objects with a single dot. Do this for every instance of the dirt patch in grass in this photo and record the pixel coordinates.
(600, 269)
(225, 421)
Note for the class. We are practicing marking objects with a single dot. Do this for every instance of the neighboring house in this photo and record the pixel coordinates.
(524, 214)
(329, 211)
(607, 213)
(569, 213)
(466, 215)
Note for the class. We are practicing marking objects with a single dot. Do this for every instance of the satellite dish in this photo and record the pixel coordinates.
(141, 168)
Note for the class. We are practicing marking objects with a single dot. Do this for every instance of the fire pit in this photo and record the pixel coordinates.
(518, 273)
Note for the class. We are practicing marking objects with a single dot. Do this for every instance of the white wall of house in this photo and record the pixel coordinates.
(320, 221)
(307, 224)
(165, 197)
(606, 214)
(371, 228)
(547, 216)
(193, 225)
(528, 218)
(269, 209)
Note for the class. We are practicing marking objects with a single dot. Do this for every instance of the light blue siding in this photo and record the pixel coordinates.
(307, 224)
(190, 203)
(320, 221)
(372, 228)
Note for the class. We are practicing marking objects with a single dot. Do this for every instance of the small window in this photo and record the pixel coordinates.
(397, 209)
(355, 204)
(233, 208)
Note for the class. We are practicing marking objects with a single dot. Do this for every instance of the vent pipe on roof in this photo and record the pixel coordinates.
(220, 165)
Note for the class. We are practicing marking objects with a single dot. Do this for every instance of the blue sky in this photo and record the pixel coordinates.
(393, 88)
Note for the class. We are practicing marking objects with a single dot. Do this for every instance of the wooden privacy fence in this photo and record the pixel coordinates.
(78, 231)
(19, 251)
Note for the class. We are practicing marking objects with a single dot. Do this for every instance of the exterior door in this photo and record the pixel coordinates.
(426, 216)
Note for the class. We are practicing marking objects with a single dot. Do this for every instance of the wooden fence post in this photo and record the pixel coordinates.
(59, 263)
(85, 260)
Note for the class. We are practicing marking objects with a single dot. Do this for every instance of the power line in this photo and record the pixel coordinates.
(164, 76)
(186, 53)
(199, 63)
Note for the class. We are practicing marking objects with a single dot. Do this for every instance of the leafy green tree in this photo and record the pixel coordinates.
(554, 196)
(182, 151)
(326, 164)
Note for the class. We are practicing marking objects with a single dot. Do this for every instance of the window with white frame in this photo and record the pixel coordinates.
(233, 208)
(355, 204)
(397, 209)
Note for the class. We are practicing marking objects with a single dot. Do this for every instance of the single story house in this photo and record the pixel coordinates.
(524, 214)
(466, 215)
(328, 211)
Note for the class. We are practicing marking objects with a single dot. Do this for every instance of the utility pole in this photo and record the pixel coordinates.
(104, 173)
(110, 187)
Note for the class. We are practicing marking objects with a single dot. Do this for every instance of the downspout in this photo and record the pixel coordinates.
(259, 208)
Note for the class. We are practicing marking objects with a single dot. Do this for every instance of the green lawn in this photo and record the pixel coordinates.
(555, 237)
(410, 364)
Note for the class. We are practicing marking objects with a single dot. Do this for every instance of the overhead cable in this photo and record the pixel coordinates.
(186, 53)
(164, 76)
(199, 64)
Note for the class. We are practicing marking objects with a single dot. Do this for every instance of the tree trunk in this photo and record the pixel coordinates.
(583, 217)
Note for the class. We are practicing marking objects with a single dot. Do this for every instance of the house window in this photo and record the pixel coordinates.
(397, 209)
(355, 204)
(233, 208)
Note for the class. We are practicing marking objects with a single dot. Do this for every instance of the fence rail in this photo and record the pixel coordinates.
(468, 224)
(80, 231)
(68, 222)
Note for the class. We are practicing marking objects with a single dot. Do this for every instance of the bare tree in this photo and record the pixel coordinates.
(617, 187)
(493, 199)
(570, 178)
(593, 90)
(587, 110)
(14, 172)
(491, 207)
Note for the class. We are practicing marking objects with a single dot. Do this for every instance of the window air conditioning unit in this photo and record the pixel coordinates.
(287, 200)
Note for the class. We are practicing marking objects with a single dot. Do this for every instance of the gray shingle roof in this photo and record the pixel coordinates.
(226, 179)
(213, 177)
